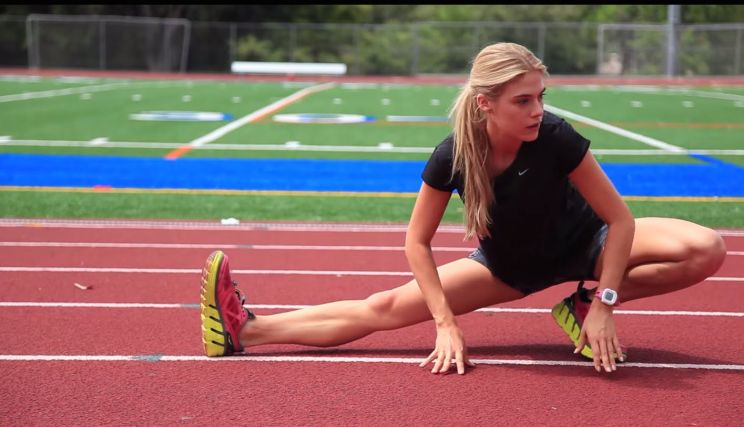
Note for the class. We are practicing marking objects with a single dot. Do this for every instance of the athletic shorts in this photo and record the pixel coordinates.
(579, 266)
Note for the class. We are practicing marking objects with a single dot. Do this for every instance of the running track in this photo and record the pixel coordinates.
(127, 351)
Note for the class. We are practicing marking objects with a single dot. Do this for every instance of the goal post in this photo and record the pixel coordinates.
(107, 42)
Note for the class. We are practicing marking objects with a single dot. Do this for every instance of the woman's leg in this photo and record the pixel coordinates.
(467, 284)
(668, 255)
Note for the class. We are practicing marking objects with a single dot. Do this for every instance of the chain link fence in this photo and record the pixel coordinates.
(119, 43)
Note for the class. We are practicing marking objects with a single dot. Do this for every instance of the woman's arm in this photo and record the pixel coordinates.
(602, 196)
(595, 186)
(425, 218)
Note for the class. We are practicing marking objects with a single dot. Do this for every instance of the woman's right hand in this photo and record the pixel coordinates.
(450, 344)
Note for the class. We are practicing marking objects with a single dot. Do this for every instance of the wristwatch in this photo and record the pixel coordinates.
(607, 296)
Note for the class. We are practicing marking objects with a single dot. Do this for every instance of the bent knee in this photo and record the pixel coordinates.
(707, 251)
(381, 302)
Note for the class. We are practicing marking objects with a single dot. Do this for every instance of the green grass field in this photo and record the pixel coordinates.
(93, 117)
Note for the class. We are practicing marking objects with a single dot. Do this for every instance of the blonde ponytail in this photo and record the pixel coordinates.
(494, 66)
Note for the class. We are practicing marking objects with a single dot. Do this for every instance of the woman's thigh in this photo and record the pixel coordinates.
(659, 240)
(467, 284)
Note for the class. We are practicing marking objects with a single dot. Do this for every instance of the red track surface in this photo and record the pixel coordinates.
(162, 378)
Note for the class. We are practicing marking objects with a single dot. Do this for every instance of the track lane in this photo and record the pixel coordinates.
(145, 331)
(350, 393)
(144, 393)
(307, 290)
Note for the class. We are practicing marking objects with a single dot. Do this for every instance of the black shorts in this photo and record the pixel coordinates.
(579, 266)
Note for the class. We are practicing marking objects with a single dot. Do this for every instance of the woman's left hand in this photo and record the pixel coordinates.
(598, 331)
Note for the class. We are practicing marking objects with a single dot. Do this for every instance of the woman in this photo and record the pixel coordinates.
(544, 213)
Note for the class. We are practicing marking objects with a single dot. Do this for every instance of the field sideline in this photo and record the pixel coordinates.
(627, 137)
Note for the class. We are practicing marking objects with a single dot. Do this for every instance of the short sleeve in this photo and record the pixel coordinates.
(571, 147)
(438, 170)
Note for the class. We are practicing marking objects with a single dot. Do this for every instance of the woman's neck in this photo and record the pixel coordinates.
(502, 152)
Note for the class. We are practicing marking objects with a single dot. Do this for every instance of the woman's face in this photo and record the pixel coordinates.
(515, 115)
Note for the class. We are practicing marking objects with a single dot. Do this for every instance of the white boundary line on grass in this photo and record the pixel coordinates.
(616, 130)
(342, 359)
(61, 92)
(258, 114)
(333, 148)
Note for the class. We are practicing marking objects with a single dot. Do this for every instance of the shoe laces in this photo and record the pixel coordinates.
(241, 298)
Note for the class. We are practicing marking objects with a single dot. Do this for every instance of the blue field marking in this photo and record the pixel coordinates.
(711, 178)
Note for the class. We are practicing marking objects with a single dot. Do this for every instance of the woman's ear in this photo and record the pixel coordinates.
(483, 103)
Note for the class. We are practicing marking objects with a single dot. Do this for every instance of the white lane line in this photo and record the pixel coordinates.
(243, 226)
(195, 270)
(117, 245)
(340, 148)
(61, 92)
(258, 114)
(287, 307)
(223, 246)
(616, 130)
(338, 273)
(341, 359)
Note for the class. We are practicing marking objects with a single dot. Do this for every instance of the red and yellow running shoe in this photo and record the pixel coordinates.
(570, 313)
(222, 311)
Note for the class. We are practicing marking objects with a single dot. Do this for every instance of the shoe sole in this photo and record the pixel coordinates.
(214, 334)
(563, 317)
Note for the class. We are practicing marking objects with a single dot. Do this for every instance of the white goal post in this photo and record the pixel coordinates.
(107, 42)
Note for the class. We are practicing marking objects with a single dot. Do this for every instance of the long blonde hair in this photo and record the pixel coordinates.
(494, 66)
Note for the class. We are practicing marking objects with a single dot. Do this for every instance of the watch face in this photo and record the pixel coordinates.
(609, 296)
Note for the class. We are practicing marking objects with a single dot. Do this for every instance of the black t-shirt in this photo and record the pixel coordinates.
(538, 217)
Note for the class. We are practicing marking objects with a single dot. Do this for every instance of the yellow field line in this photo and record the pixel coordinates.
(279, 193)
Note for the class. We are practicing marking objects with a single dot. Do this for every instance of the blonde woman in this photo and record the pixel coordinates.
(543, 211)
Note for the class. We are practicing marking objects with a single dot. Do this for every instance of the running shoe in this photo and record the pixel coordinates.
(570, 313)
(222, 311)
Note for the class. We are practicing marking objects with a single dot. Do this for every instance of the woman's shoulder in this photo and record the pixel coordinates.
(445, 149)
(552, 122)
(555, 128)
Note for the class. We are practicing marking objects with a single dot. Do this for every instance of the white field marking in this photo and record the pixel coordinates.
(222, 131)
(337, 273)
(680, 91)
(225, 147)
(340, 148)
(243, 226)
(225, 246)
(287, 307)
(341, 359)
(616, 130)
(60, 92)
(652, 152)
(98, 141)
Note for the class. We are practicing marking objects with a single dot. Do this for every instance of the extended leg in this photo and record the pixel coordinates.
(467, 284)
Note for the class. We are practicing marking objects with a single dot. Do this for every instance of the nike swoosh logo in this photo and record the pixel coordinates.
(523, 172)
